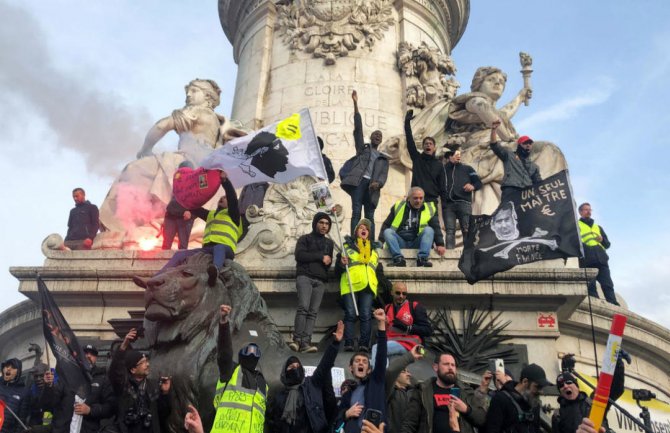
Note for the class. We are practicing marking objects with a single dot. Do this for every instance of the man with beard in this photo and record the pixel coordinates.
(99, 404)
(435, 407)
(14, 393)
(461, 180)
(314, 255)
(241, 390)
(516, 407)
(575, 404)
(369, 169)
(520, 171)
(299, 406)
(427, 171)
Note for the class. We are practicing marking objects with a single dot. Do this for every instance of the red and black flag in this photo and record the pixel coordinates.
(72, 366)
(537, 223)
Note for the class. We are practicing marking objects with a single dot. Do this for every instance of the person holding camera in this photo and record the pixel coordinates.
(574, 405)
(143, 403)
(399, 387)
(444, 404)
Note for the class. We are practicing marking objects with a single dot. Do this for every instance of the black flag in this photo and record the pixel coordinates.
(538, 223)
(72, 366)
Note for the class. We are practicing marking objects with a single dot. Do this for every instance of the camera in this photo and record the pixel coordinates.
(643, 395)
(568, 363)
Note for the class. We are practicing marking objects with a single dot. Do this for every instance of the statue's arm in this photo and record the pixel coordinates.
(486, 111)
(156, 132)
(510, 109)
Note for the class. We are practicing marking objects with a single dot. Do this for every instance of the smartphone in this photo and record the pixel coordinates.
(497, 365)
(421, 350)
(374, 416)
(456, 392)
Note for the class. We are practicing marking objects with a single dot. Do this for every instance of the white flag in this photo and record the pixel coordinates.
(277, 153)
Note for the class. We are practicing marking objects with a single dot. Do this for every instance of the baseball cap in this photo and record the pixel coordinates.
(524, 139)
(535, 373)
(89, 348)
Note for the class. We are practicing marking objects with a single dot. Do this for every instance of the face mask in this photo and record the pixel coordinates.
(248, 362)
(522, 152)
(293, 376)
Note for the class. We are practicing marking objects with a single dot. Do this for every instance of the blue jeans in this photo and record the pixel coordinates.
(360, 198)
(219, 253)
(424, 242)
(451, 211)
(364, 302)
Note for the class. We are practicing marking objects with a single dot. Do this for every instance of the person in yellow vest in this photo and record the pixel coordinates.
(362, 259)
(413, 224)
(595, 243)
(222, 231)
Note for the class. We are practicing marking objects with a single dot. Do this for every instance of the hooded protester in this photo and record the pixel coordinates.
(313, 256)
(520, 171)
(300, 406)
(14, 393)
(234, 413)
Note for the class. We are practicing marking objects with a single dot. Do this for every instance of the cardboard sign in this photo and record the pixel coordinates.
(192, 188)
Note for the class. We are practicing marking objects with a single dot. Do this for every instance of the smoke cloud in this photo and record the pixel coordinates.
(94, 124)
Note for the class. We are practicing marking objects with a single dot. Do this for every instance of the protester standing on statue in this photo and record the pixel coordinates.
(366, 174)
(60, 401)
(14, 393)
(461, 181)
(313, 256)
(520, 171)
(368, 393)
(435, 409)
(516, 407)
(427, 171)
(83, 223)
(299, 406)
(143, 402)
(326, 162)
(411, 223)
(595, 243)
(178, 221)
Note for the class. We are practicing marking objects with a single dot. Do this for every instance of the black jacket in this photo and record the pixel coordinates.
(60, 401)
(456, 176)
(594, 256)
(397, 399)
(419, 415)
(17, 397)
(427, 171)
(519, 172)
(434, 223)
(330, 172)
(83, 223)
(136, 400)
(314, 406)
(309, 252)
(503, 415)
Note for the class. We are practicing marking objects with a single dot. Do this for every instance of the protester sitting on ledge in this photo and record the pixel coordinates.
(83, 223)
(412, 224)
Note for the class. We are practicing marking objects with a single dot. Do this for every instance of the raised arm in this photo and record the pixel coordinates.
(156, 132)
(231, 195)
(510, 109)
(224, 345)
(359, 141)
(411, 145)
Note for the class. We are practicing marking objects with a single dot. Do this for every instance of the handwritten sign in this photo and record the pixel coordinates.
(192, 188)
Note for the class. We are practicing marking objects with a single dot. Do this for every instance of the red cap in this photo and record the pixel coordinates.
(524, 139)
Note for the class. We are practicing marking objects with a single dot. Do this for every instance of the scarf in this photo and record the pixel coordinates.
(364, 249)
(293, 398)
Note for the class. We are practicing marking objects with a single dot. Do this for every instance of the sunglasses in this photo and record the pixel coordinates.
(561, 384)
(400, 293)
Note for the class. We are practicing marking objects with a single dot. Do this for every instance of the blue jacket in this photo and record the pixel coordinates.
(375, 390)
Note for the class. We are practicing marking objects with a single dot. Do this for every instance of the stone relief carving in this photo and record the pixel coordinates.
(328, 29)
(425, 70)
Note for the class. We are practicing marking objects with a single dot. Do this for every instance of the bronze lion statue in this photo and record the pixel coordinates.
(181, 326)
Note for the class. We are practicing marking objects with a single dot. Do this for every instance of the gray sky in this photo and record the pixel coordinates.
(82, 82)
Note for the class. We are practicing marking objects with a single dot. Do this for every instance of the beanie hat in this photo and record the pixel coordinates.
(132, 358)
(364, 222)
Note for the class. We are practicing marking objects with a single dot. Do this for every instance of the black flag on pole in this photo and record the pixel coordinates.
(538, 223)
(72, 366)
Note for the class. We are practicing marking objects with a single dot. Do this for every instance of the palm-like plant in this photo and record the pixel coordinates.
(479, 339)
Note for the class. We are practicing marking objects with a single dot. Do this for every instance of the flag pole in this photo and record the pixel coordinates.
(346, 267)
(16, 417)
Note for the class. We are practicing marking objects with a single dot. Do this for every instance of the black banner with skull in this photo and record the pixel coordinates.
(538, 223)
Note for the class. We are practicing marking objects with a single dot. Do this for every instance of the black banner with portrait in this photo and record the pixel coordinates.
(538, 223)
(72, 367)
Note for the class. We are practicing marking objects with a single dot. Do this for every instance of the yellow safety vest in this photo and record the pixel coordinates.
(590, 234)
(220, 229)
(47, 417)
(427, 213)
(362, 274)
(238, 409)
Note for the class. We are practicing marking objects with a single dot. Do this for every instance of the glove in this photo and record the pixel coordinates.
(409, 115)
(568, 362)
(398, 324)
(625, 356)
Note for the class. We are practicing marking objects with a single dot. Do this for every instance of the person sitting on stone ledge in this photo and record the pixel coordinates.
(222, 231)
(362, 259)
(83, 223)
(412, 223)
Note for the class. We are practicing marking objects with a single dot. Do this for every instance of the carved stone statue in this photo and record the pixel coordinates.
(329, 32)
(425, 69)
(181, 327)
(139, 195)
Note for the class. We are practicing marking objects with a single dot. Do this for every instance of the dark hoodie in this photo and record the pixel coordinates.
(16, 396)
(427, 171)
(310, 249)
